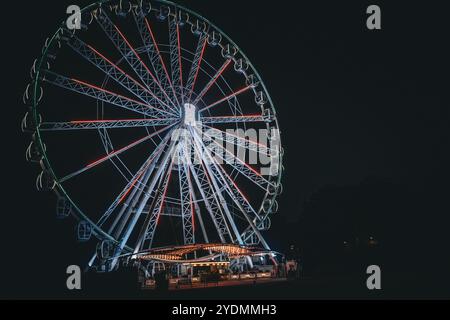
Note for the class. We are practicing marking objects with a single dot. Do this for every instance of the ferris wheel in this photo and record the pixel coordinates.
(132, 118)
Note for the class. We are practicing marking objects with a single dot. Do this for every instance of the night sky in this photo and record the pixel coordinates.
(362, 113)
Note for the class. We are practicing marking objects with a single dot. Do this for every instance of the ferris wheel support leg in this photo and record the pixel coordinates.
(198, 214)
(129, 205)
(133, 198)
(158, 177)
(136, 194)
(148, 229)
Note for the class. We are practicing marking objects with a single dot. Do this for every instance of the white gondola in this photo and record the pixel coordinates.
(198, 28)
(163, 13)
(123, 8)
(143, 8)
(261, 98)
(33, 153)
(251, 238)
(265, 225)
(84, 231)
(241, 65)
(63, 208)
(267, 205)
(28, 124)
(105, 249)
(275, 207)
(268, 115)
(214, 39)
(229, 51)
(182, 18)
(45, 182)
(252, 81)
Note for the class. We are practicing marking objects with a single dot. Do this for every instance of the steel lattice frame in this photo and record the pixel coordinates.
(161, 84)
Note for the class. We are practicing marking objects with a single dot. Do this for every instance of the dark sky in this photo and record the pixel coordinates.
(352, 104)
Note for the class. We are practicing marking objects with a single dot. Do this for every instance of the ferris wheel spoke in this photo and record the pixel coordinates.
(238, 140)
(233, 119)
(115, 72)
(134, 60)
(104, 95)
(147, 233)
(196, 64)
(227, 98)
(154, 54)
(113, 154)
(132, 204)
(208, 165)
(231, 188)
(135, 213)
(242, 167)
(104, 124)
(137, 182)
(212, 81)
(175, 57)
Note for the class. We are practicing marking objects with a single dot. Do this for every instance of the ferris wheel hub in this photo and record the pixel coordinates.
(191, 115)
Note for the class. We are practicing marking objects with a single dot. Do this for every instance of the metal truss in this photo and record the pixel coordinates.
(198, 214)
(226, 98)
(216, 184)
(210, 199)
(242, 167)
(155, 212)
(195, 67)
(113, 154)
(175, 58)
(134, 60)
(104, 124)
(238, 141)
(134, 185)
(154, 54)
(146, 235)
(232, 119)
(115, 72)
(104, 95)
(233, 191)
(187, 207)
(212, 81)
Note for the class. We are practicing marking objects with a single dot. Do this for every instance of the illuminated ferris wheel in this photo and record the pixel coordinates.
(133, 133)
